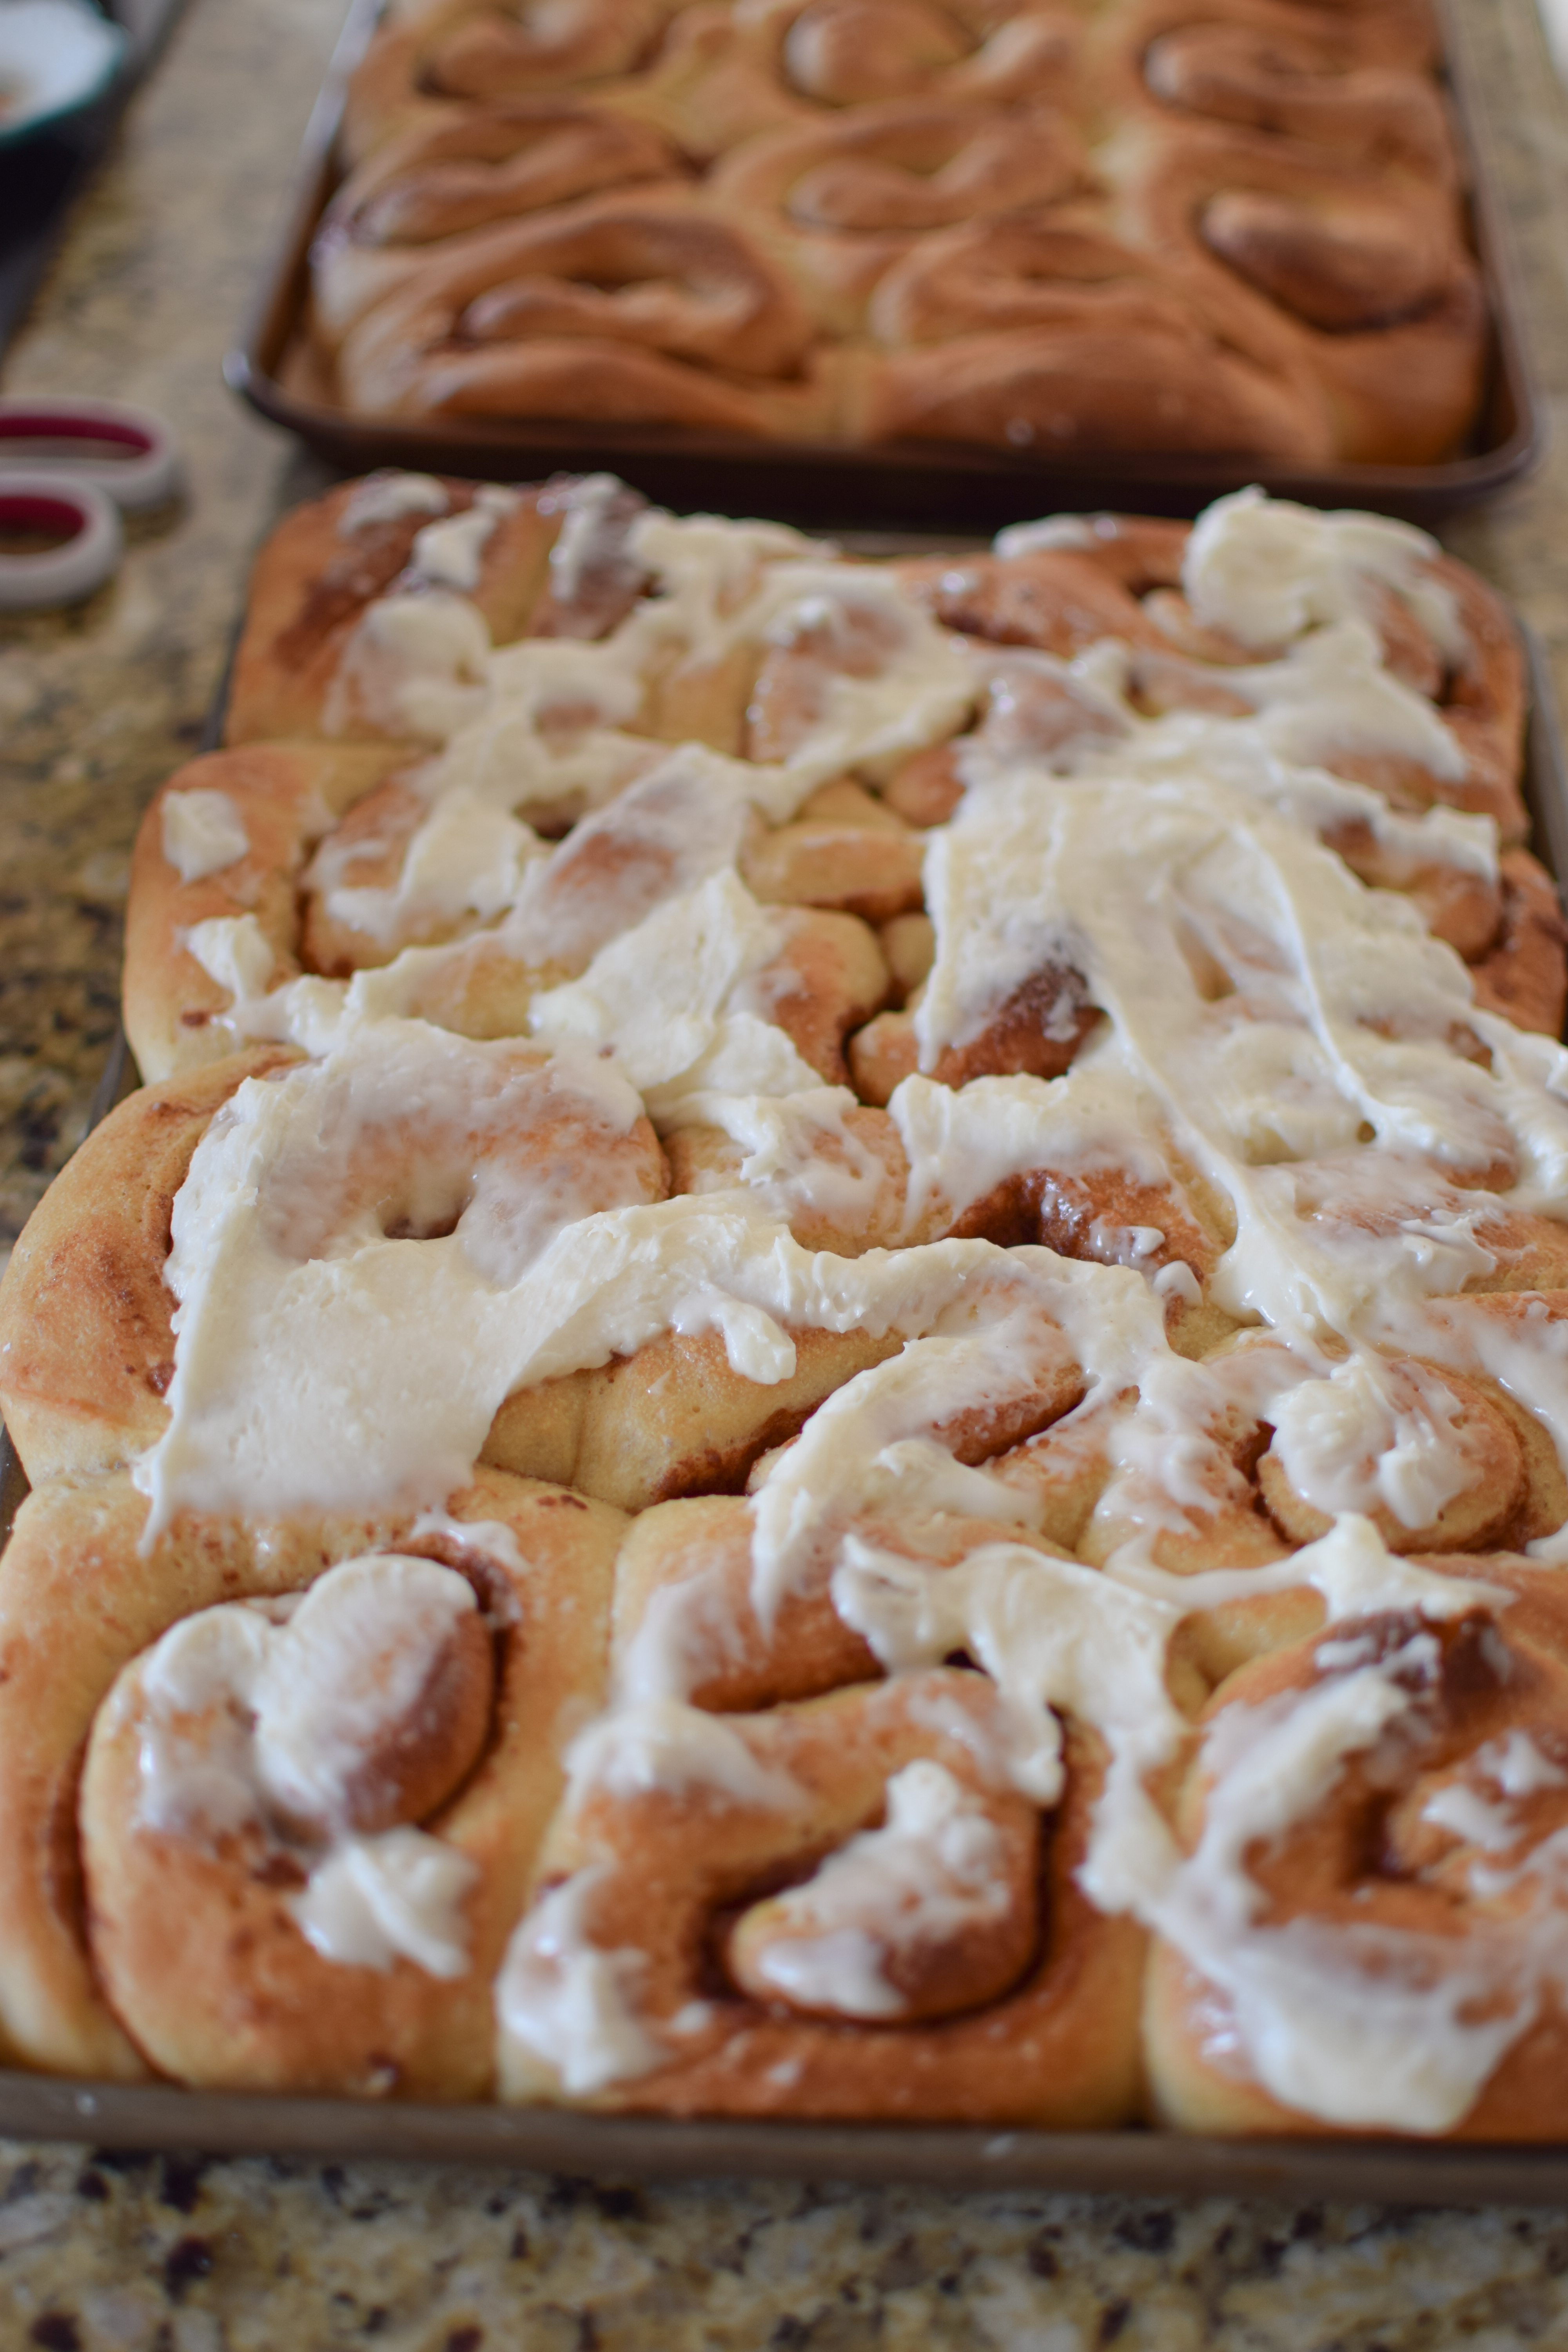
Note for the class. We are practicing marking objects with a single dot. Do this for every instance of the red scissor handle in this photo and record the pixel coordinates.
(76, 513)
(50, 433)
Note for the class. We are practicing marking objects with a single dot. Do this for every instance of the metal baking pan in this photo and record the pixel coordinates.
(1133, 2162)
(912, 485)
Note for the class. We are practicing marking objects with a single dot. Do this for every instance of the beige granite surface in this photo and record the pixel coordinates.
(110, 2254)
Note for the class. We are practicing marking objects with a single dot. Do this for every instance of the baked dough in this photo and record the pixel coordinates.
(1043, 232)
(103, 1969)
(840, 1299)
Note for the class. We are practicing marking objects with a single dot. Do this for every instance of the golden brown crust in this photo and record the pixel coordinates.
(1053, 2044)
(707, 1542)
(285, 796)
(1370, 1856)
(79, 1601)
(1523, 974)
(1035, 1031)
(674, 1419)
(312, 582)
(468, 167)
(85, 1348)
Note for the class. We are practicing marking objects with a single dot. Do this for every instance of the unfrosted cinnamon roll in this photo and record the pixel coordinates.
(1090, 385)
(465, 50)
(479, 166)
(838, 204)
(1040, 269)
(1272, 76)
(489, 320)
(847, 53)
(1352, 274)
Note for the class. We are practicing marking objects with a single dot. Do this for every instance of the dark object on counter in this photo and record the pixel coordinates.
(41, 177)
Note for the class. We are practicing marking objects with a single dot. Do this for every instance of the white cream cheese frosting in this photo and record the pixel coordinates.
(203, 833)
(270, 1711)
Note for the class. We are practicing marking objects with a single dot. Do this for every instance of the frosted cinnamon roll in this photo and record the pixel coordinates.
(337, 1736)
(1082, 385)
(82, 1386)
(1004, 1160)
(227, 838)
(693, 1413)
(1034, 1031)
(1437, 1461)
(903, 1969)
(886, 1877)
(443, 568)
(1207, 637)
(1361, 1933)
(446, 909)
(486, 1152)
(1520, 971)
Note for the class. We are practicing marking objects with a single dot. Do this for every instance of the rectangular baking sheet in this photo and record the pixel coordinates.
(1132, 2162)
(913, 486)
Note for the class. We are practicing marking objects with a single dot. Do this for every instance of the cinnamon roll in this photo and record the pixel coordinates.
(1361, 1933)
(796, 1888)
(476, 167)
(318, 1753)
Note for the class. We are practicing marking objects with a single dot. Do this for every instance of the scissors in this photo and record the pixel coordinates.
(68, 469)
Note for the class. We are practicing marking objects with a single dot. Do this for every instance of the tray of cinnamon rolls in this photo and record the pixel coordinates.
(916, 263)
(815, 1417)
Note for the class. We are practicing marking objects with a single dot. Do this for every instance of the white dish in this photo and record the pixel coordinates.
(55, 56)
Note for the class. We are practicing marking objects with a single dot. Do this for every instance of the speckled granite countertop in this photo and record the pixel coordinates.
(110, 2254)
